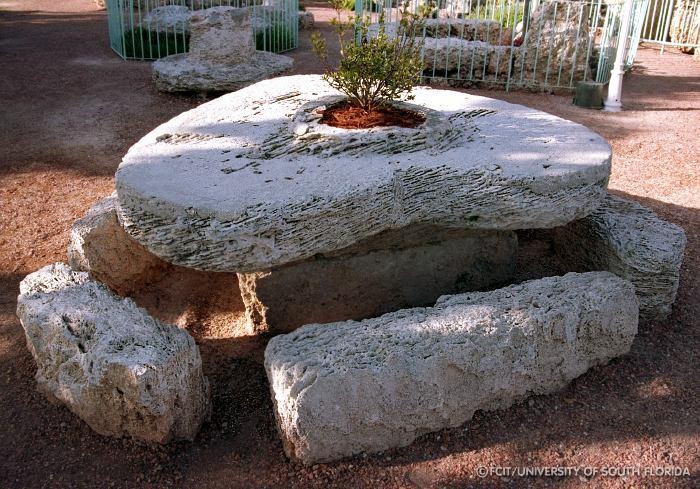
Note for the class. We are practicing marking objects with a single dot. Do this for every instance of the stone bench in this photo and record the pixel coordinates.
(108, 361)
(221, 57)
(629, 240)
(344, 388)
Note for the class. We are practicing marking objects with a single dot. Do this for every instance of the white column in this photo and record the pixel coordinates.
(613, 102)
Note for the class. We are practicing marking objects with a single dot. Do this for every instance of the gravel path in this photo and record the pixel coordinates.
(70, 108)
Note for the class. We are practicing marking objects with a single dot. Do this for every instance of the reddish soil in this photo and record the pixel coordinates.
(70, 109)
(348, 116)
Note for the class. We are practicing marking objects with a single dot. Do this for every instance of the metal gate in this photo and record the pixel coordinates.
(673, 23)
(538, 44)
(150, 29)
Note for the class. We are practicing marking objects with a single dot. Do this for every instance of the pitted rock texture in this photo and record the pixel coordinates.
(99, 245)
(344, 388)
(396, 269)
(251, 180)
(117, 368)
(168, 19)
(221, 35)
(449, 53)
(629, 240)
(222, 55)
(556, 47)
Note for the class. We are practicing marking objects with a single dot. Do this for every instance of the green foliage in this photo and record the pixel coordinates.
(276, 38)
(379, 66)
(373, 5)
(143, 43)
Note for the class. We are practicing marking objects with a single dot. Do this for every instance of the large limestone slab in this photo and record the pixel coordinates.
(397, 269)
(222, 55)
(631, 241)
(108, 361)
(252, 180)
(345, 388)
(99, 245)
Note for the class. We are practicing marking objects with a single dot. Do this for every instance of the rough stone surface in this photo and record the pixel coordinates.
(168, 18)
(391, 271)
(450, 53)
(222, 55)
(99, 245)
(629, 240)
(500, 59)
(112, 364)
(344, 388)
(180, 73)
(556, 46)
(221, 35)
(252, 180)
(488, 31)
(685, 25)
(306, 20)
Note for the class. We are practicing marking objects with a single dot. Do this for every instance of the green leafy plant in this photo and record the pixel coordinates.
(379, 63)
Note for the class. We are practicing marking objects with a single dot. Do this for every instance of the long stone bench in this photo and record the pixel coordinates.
(629, 240)
(108, 361)
(344, 388)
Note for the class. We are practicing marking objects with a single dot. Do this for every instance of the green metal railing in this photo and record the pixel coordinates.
(151, 29)
(539, 44)
(673, 23)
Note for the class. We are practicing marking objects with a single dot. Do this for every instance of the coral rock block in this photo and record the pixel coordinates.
(117, 368)
(344, 388)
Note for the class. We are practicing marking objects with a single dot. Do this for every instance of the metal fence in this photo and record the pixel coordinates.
(150, 29)
(673, 23)
(538, 44)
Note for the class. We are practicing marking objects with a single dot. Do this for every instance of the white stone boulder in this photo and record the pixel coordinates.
(629, 240)
(222, 55)
(117, 368)
(344, 388)
(99, 245)
(252, 180)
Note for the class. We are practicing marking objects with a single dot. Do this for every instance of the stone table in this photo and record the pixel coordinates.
(252, 182)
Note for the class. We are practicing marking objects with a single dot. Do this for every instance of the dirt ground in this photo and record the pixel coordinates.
(70, 108)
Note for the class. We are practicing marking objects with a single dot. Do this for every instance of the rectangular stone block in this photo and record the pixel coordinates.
(629, 240)
(350, 387)
(402, 268)
(222, 35)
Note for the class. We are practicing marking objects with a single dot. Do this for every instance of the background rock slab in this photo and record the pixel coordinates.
(345, 388)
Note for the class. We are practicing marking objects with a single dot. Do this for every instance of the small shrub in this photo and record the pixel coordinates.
(143, 43)
(376, 68)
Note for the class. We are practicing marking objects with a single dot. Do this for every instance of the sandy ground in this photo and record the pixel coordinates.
(70, 108)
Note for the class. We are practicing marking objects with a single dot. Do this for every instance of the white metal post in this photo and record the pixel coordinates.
(613, 102)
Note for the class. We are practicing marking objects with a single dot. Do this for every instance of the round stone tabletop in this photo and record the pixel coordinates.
(251, 180)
